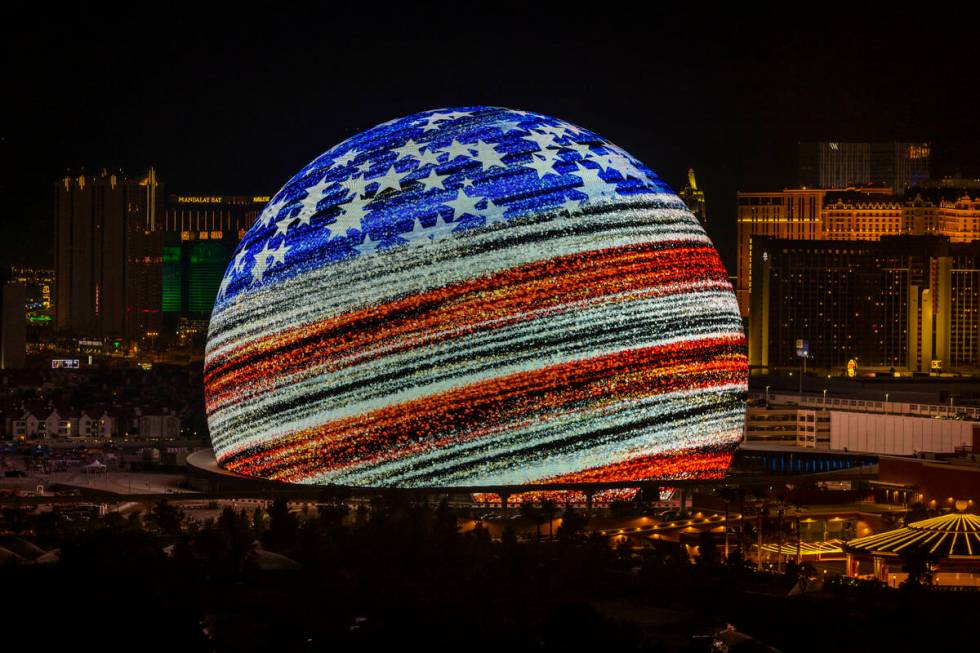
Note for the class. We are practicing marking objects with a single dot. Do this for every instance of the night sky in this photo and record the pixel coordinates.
(239, 104)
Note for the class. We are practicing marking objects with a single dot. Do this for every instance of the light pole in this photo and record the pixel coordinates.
(802, 373)
(767, 395)
(825, 398)
(726, 531)
(886, 403)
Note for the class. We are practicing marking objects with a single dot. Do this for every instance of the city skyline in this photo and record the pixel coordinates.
(728, 94)
(517, 326)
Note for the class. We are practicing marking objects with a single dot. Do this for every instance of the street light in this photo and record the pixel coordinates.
(767, 395)
(886, 403)
(825, 398)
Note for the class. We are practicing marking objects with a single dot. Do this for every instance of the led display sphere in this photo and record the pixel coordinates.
(475, 297)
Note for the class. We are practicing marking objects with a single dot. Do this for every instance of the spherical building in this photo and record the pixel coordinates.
(475, 297)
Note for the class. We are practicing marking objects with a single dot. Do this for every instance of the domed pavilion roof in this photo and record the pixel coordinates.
(953, 535)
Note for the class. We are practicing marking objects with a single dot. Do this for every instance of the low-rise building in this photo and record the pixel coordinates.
(158, 424)
(25, 427)
(789, 425)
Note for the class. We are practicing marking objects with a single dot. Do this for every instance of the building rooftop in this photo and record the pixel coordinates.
(953, 535)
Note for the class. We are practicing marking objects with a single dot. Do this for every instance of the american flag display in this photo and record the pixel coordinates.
(475, 296)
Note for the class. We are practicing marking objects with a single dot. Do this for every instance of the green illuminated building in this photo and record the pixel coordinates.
(200, 235)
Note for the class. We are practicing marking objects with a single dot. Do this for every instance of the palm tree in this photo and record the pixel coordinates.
(918, 564)
(528, 511)
(166, 517)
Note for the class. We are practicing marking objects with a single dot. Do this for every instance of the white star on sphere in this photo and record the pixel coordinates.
(457, 149)
(356, 185)
(263, 253)
(623, 165)
(270, 212)
(494, 213)
(417, 229)
(279, 255)
(543, 140)
(442, 229)
(314, 194)
(364, 167)
(239, 259)
(258, 269)
(283, 225)
(346, 157)
(464, 204)
(556, 132)
(410, 149)
(223, 288)
(367, 246)
(429, 125)
(429, 156)
(351, 217)
(583, 149)
(541, 166)
(487, 154)
(590, 176)
(433, 180)
(570, 205)
(389, 180)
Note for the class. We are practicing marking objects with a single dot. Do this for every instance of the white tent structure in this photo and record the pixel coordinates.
(94, 467)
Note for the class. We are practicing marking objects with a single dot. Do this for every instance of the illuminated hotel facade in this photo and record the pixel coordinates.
(862, 214)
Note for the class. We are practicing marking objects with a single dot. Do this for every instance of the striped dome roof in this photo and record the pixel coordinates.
(952, 535)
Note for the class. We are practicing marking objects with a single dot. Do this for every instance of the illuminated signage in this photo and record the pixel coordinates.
(219, 199)
(64, 364)
(802, 348)
(199, 199)
(919, 151)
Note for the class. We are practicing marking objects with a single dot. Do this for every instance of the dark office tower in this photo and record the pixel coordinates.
(13, 326)
(693, 197)
(839, 165)
(144, 283)
(834, 165)
(106, 254)
(911, 164)
(901, 303)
